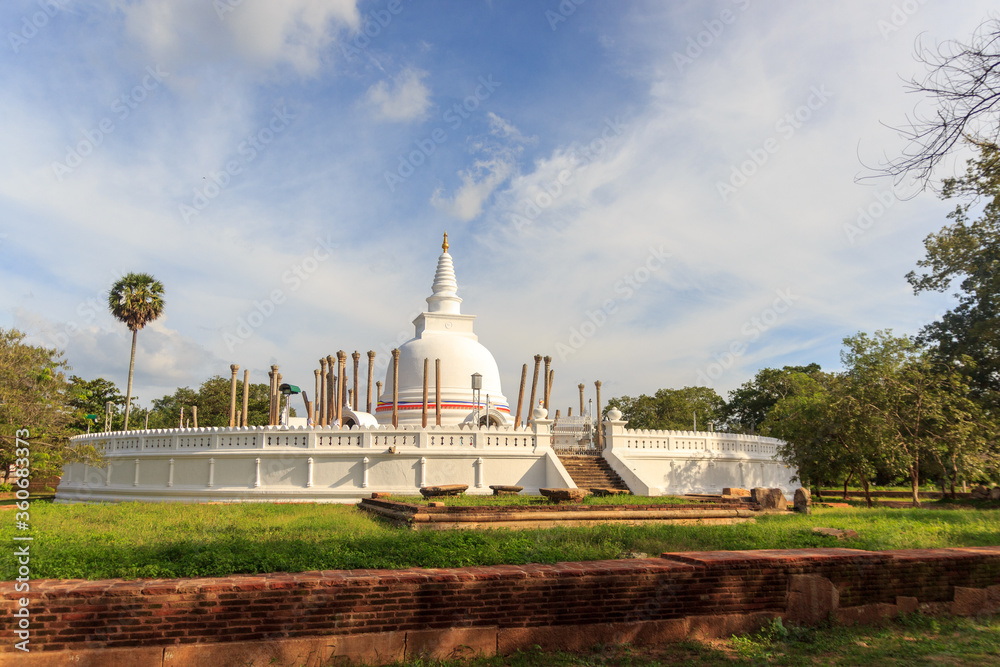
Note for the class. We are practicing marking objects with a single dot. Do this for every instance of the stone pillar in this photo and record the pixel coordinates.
(395, 387)
(245, 419)
(437, 392)
(316, 399)
(277, 399)
(534, 386)
(520, 394)
(598, 431)
(581, 387)
(378, 387)
(194, 415)
(321, 393)
(423, 416)
(569, 411)
(232, 395)
(548, 388)
(272, 412)
(545, 383)
(330, 398)
(180, 424)
(371, 371)
(341, 384)
(356, 356)
(239, 417)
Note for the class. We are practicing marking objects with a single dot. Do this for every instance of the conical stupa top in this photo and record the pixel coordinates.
(444, 291)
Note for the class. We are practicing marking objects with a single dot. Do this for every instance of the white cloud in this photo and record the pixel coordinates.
(185, 35)
(498, 151)
(407, 99)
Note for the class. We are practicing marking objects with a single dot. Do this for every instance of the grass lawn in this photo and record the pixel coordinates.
(129, 540)
(908, 641)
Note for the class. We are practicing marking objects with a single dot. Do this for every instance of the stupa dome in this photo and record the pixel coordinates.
(443, 332)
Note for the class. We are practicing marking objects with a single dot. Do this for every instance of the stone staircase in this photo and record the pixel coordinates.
(590, 472)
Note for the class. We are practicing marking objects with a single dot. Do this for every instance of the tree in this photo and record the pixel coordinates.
(670, 409)
(968, 252)
(212, 400)
(135, 300)
(963, 82)
(90, 397)
(749, 404)
(33, 393)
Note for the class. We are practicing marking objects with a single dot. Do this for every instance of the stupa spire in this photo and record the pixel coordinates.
(444, 292)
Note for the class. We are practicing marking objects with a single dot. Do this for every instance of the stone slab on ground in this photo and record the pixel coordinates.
(506, 490)
(561, 495)
(735, 492)
(443, 490)
(769, 499)
(835, 532)
(602, 491)
(803, 501)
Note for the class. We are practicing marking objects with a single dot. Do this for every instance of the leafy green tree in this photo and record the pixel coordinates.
(967, 251)
(136, 299)
(212, 400)
(33, 393)
(749, 404)
(90, 397)
(671, 409)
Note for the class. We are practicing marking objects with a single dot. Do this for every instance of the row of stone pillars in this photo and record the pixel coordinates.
(548, 376)
(332, 393)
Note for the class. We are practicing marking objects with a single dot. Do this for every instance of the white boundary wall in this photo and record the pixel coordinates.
(271, 463)
(655, 463)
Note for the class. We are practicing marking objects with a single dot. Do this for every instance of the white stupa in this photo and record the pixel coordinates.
(443, 332)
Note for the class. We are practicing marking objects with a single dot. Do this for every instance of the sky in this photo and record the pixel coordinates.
(656, 194)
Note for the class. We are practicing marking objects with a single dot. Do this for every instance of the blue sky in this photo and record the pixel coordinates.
(656, 194)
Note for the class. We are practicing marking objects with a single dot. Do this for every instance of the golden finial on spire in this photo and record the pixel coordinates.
(444, 246)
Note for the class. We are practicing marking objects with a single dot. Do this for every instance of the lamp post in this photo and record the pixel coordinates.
(286, 391)
(477, 385)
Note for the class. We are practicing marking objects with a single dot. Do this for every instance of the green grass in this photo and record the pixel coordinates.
(908, 641)
(128, 540)
(529, 501)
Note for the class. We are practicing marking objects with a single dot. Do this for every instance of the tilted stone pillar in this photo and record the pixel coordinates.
(545, 382)
(245, 418)
(232, 395)
(534, 386)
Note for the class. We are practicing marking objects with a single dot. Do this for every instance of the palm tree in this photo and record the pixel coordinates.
(136, 299)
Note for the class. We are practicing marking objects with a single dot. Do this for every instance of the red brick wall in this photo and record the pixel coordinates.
(519, 602)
